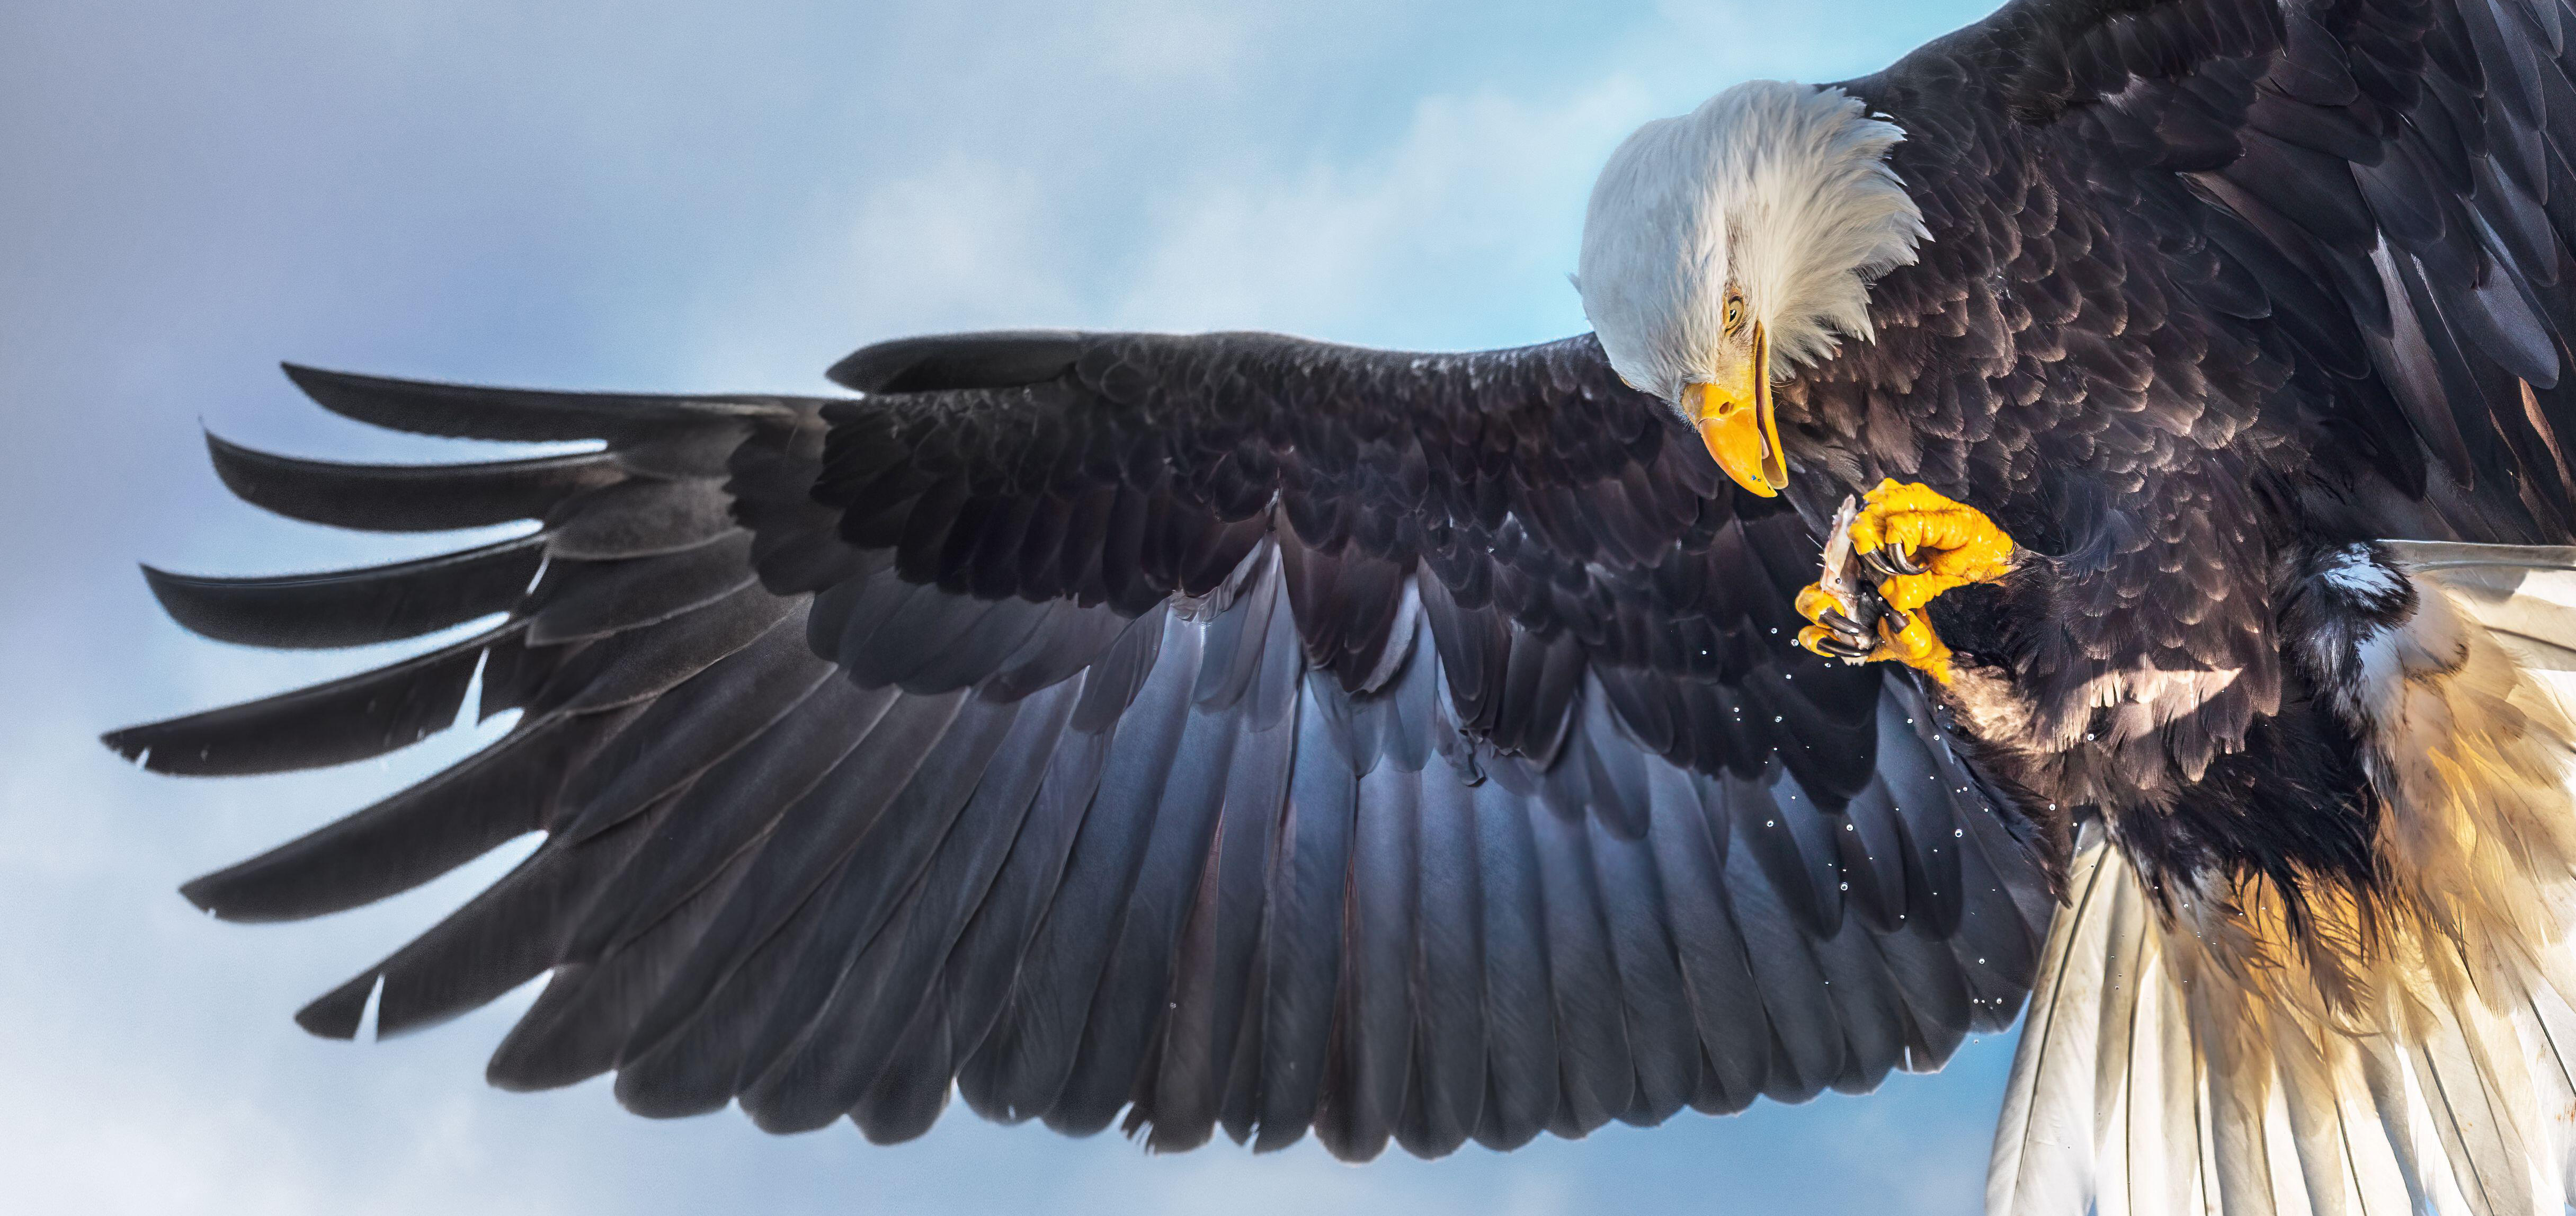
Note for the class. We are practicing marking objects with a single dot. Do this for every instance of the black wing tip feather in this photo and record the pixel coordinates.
(350, 394)
(329, 385)
(995, 359)
(124, 743)
(200, 895)
(471, 411)
(248, 472)
(432, 497)
(179, 595)
(356, 717)
(216, 895)
(338, 1013)
(257, 891)
(364, 606)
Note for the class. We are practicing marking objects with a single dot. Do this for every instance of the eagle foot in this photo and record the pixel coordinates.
(1919, 544)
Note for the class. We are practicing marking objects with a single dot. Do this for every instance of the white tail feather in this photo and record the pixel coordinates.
(2524, 594)
(2044, 1154)
(2469, 1119)
(2159, 1075)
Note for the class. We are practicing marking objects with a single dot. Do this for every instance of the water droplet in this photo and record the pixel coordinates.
(1958, 831)
(1846, 886)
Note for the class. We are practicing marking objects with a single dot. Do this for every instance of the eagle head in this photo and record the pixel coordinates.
(1735, 244)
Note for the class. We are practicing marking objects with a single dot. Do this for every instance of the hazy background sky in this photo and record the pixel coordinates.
(654, 196)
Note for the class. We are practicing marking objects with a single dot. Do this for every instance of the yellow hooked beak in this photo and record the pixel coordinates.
(1734, 417)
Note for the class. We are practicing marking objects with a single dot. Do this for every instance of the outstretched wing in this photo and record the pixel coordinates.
(2374, 201)
(1233, 731)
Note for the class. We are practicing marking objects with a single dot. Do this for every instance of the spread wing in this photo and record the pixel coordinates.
(2373, 203)
(1234, 731)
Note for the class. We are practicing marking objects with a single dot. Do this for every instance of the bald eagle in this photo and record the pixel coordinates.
(2073, 522)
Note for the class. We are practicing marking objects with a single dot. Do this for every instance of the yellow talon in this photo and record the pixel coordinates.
(1916, 646)
(1812, 603)
(1954, 544)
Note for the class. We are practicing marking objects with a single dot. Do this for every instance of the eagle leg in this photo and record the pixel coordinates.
(1925, 544)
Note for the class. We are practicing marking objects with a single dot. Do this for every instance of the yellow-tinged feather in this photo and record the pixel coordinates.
(2401, 1050)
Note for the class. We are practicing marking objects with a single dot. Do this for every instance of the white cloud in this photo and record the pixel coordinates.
(1164, 40)
(1479, 201)
(963, 244)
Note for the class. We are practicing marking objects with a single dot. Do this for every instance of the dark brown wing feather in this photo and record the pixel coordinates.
(1235, 732)
(2374, 199)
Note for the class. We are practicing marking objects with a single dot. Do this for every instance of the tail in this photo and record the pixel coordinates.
(2158, 1073)
(2135, 1094)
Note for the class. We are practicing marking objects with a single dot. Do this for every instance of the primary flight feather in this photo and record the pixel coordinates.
(1250, 733)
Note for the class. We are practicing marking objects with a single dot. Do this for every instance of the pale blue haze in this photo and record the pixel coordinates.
(652, 196)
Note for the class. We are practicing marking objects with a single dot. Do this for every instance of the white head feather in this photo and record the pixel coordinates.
(1780, 190)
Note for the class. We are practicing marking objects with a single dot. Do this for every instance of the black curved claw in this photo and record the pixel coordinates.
(1898, 557)
(1876, 560)
(1842, 648)
(1848, 638)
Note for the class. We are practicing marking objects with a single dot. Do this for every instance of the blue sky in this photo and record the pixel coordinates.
(653, 196)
